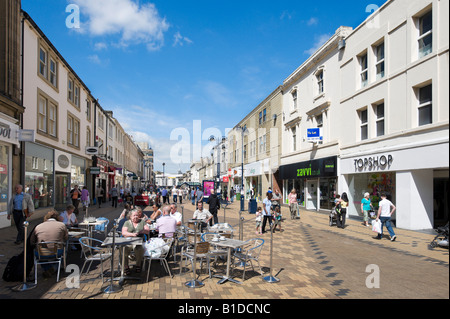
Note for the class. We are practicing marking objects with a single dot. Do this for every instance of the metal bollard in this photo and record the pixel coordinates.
(25, 286)
(111, 289)
(194, 283)
(271, 278)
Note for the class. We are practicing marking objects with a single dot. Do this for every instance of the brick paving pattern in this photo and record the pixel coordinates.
(311, 259)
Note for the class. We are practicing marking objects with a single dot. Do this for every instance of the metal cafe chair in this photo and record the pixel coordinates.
(250, 252)
(162, 257)
(93, 253)
(49, 252)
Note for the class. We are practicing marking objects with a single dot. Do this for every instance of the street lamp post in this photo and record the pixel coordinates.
(219, 141)
(163, 179)
(243, 130)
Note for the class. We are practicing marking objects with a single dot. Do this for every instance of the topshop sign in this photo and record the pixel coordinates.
(372, 163)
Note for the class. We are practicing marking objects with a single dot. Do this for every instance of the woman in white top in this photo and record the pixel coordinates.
(69, 218)
(267, 211)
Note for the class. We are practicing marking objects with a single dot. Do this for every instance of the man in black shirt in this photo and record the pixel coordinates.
(214, 206)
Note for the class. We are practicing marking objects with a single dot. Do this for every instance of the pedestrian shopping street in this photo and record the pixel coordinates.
(311, 260)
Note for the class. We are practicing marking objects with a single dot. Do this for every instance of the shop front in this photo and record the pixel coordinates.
(8, 140)
(63, 168)
(39, 174)
(314, 181)
(415, 179)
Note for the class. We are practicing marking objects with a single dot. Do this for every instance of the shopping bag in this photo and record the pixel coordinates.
(376, 226)
(155, 247)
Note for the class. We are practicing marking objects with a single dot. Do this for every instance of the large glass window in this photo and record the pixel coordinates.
(39, 174)
(327, 192)
(374, 184)
(4, 182)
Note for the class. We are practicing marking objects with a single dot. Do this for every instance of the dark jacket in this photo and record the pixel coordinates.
(214, 203)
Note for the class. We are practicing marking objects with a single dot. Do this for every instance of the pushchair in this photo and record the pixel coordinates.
(333, 216)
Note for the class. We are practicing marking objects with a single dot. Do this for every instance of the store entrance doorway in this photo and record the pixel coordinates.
(62, 190)
(440, 200)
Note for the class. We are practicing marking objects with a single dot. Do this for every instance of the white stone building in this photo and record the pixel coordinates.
(383, 115)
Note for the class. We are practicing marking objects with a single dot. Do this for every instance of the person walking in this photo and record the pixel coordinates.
(99, 194)
(21, 207)
(75, 195)
(164, 196)
(385, 211)
(214, 206)
(366, 207)
(267, 211)
(193, 196)
(293, 205)
(232, 195)
(114, 196)
(341, 210)
(85, 199)
(199, 195)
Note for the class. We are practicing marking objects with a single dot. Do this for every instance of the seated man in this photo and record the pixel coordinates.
(175, 214)
(202, 214)
(166, 225)
(50, 230)
(134, 227)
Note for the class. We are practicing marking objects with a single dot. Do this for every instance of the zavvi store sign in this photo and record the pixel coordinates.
(323, 167)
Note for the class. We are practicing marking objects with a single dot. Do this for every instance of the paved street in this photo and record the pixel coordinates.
(311, 259)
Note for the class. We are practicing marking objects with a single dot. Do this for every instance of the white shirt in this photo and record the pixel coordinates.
(66, 220)
(177, 216)
(268, 204)
(203, 215)
(385, 206)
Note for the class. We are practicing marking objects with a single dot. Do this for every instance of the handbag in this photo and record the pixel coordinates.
(372, 214)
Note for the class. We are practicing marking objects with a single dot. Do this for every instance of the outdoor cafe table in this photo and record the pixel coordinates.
(91, 225)
(230, 244)
(122, 242)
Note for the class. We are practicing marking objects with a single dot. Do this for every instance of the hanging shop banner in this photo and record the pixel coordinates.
(323, 167)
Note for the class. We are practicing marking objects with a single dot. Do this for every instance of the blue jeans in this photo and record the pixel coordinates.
(386, 221)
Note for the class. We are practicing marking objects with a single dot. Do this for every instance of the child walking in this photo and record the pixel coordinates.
(277, 219)
(258, 220)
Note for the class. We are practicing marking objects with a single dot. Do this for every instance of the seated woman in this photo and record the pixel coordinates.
(69, 218)
(156, 212)
(134, 227)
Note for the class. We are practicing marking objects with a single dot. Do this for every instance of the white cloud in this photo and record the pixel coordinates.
(100, 46)
(320, 40)
(286, 15)
(180, 40)
(312, 21)
(135, 23)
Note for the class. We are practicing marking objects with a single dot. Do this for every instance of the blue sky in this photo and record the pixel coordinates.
(160, 65)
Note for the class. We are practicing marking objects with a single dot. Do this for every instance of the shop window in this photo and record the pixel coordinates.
(379, 66)
(47, 116)
(379, 111)
(294, 139)
(364, 73)
(425, 34)
(425, 105)
(364, 124)
(320, 83)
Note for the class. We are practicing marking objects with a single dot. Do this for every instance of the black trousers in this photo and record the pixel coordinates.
(19, 218)
(340, 218)
(114, 201)
(266, 218)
